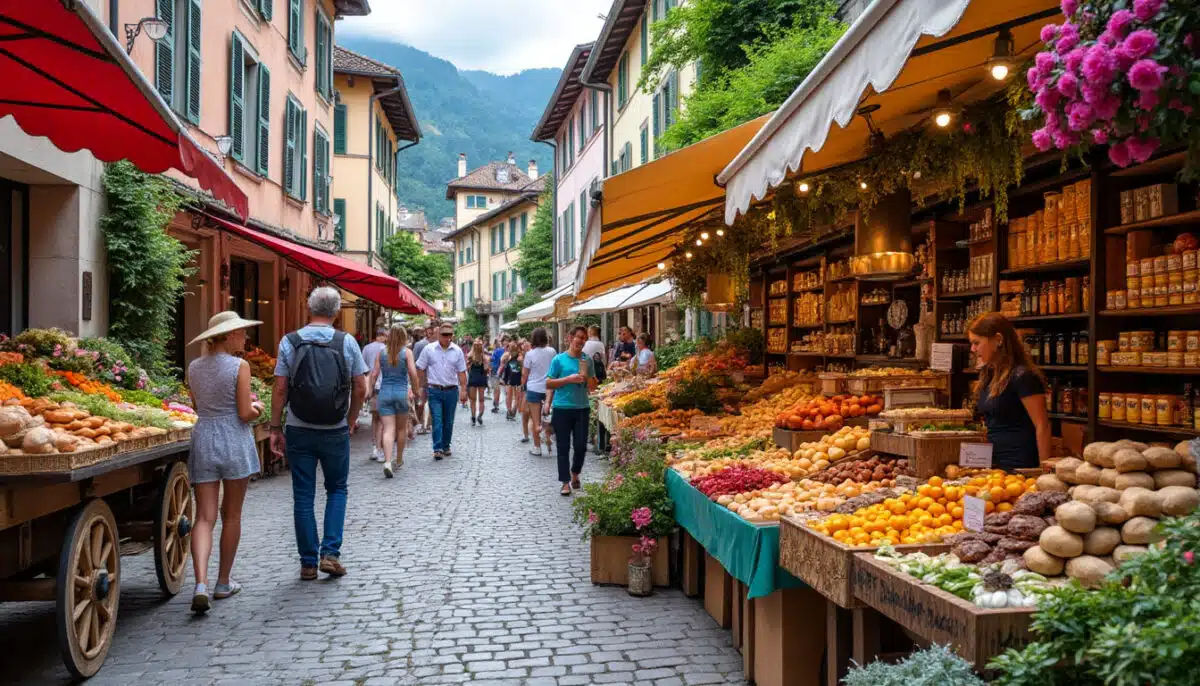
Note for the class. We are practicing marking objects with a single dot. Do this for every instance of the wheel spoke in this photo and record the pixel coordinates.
(169, 543)
(82, 582)
(80, 608)
(83, 630)
(105, 552)
(94, 550)
(105, 612)
(97, 639)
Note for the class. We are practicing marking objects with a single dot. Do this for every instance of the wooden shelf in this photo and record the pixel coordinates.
(777, 297)
(1067, 368)
(846, 321)
(953, 337)
(841, 279)
(1068, 417)
(813, 289)
(1180, 431)
(1167, 163)
(905, 361)
(912, 282)
(808, 326)
(974, 292)
(1059, 266)
(978, 241)
(1183, 371)
(1169, 311)
(1180, 219)
(812, 353)
(1053, 182)
(1049, 317)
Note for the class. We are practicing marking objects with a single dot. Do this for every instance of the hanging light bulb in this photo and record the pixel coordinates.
(661, 266)
(943, 113)
(688, 254)
(803, 187)
(704, 235)
(699, 242)
(720, 232)
(863, 185)
(1000, 65)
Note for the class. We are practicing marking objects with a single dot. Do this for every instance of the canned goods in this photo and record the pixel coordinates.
(1164, 410)
(1147, 266)
(1117, 404)
(1132, 268)
(1104, 406)
(1188, 260)
(1123, 341)
(1192, 341)
(1160, 264)
(1174, 262)
(1175, 360)
(1176, 341)
(1191, 359)
(1119, 300)
(1133, 408)
(1149, 409)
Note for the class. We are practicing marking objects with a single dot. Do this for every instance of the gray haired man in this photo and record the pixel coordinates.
(322, 378)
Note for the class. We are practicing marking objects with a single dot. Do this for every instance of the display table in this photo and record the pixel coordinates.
(608, 419)
(749, 552)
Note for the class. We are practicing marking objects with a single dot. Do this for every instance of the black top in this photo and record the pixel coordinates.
(626, 351)
(1009, 428)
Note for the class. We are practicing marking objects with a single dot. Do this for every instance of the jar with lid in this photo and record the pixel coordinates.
(1082, 401)
(1048, 349)
(1082, 348)
(1034, 342)
(1060, 349)
(1085, 293)
(1066, 399)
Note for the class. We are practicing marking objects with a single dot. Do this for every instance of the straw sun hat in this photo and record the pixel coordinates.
(222, 323)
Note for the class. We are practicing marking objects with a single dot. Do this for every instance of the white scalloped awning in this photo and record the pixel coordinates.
(545, 307)
(898, 55)
(609, 302)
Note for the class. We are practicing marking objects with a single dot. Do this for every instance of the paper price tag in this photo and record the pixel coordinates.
(975, 455)
(941, 357)
(973, 513)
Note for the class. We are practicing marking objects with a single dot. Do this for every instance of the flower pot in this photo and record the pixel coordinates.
(641, 583)
(610, 560)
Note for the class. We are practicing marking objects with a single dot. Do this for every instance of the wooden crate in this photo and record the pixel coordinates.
(610, 560)
(832, 384)
(917, 396)
(789, 638)
(876, 385)
(718, 592)
(791, 440)
(975, 633)
(926, 456)
(825, 564)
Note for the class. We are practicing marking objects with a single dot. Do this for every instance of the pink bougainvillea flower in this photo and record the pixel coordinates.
(1140, 149)
(1033, 79)
(1100, 136)
(1146, 75)
(1042, 140)
(641, 517)
(1099, 67)
(1118, 153)
(1045, 63)
(1080, 116)
(1069, 7)
(1047, 98)
(1068, 38)
(1064, 139)
(1106, 107)
(1189, 557)
(1049, 31)
(1068, 85)
(1139, 44)
(1145, 10)
(593, 517)
(1118, 23)
(1075, 58)
(1147, 100)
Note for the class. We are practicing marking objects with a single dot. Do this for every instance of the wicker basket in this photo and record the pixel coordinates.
(17, 462)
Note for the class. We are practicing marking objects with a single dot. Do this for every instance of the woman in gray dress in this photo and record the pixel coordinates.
(223, 450)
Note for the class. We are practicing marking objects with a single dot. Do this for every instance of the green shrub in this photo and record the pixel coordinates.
(672, 354)
(40, 342)
(935, 666)
(113, 364)
(696, 393)
(605, 509)
(638, 406)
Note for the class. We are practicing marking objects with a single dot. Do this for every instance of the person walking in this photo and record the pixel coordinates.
(511, 368)
(321, 377)
(570, 377)
(393, 371)
(477, 380)
(422, 397)
(533, 377)
(443, 370)
(370, 353)
(594, 345)
(494, 376)
(223, 454)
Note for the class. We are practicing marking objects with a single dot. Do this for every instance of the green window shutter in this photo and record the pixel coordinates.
(655, 122)
(614, 168)
(673, 99)
(644, 137)
(289, 146)
(654, 10)
(264, 120)
(492, 236)
(622, 80)
(595, 110)
(193, 61)
(266, 8)
(339, 208)
(512, 232)
(321, 38)
(524, 224)
(237, 96)
(318, 170)
(164, 52)
(302, 143)
(339, 129)
(296, 29)
(645, 40)
(583, 210)
(582, 128)
(570, 143)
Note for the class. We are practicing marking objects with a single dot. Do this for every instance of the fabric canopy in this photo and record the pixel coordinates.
(510, 326)
(897, 55)
(609, 302)
(545, 307)
(67, 78)
(359, 279)
(652, 294)
(645, 211)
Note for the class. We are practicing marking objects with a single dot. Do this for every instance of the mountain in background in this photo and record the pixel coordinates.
(482, 114)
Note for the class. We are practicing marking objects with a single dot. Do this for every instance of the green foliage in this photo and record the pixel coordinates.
(520, 301)
(774, 68)
(30, 377)
(604, 509)
(147, 266)
(470, 324)
(697, 392)
(638, 406)
(40, 342)
(749, 339)
(1141, 627)
(112, 361)
(262, 392)
(535, 262)
(102, 407)
(935, 666)
(145, 398)
(673, 353)
(429, 274)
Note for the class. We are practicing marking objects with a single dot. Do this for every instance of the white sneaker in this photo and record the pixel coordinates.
(536, 452)
(376, 454)
(387, 470)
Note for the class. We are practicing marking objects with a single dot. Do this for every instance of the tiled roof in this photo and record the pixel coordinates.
(388, 84)
(352, 8)
(619, 24)
(530, 195)
(351, 62)
(484, 179)
(565, 95)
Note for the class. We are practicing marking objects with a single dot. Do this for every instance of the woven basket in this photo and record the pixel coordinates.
(26, 463)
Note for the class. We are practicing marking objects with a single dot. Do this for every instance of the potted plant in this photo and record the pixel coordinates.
(641, 565)
(606, 512)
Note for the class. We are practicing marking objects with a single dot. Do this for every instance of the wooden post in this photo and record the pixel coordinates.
(736, 619)
(787, 644)
(749, 638)
(718, 591)
(692, 553)
(866, 635)
(839, 641)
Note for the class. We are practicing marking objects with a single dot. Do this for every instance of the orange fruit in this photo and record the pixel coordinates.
(996, 493)
(937, 509)
(1004, 507)
(925, 502)
(923, 489)
(989, 507)
(935, 481)
(935, 492)
(1015, 490)
(956, 512)
(945, 520)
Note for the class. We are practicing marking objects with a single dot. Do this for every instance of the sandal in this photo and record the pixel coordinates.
(200, 600)
(575, 482)
(222, 591)
(566, 490)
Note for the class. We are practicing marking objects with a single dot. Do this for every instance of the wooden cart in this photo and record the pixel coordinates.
(60, 541)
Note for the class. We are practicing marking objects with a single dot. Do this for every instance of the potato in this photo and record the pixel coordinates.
(1091, 452)
(1108, 477)
(1135, 445)
(1140, 531)
(1050, 482)
(1178, 500)
(1061, 543)
(1141, 502)
(1097, 494)
(1065, 469)
(13, 419)
(863, 443)
(1161, 458)
(1087, 473)
(1125, 552)
(1076, 517)
(1042, 562)
(1134, 480)
(1174, 477)
(1101, 541)
(1088, 570)
(1129, 460)
(1110, 513)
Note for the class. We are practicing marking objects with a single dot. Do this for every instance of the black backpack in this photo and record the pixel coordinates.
(319, 380)
(598, 365)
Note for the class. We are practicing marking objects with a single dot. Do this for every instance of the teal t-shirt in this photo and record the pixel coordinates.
(572, 396)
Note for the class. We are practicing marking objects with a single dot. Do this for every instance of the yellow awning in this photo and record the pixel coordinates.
(645, 211)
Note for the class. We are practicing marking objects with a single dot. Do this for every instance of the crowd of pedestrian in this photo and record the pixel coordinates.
(410, 380)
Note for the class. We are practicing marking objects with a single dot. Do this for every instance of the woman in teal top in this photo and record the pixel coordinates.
(571, 378)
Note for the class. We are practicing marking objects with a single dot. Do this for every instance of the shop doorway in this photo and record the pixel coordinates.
(244, 293)
(14, 256)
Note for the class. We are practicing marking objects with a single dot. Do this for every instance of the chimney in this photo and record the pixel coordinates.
(462, 164)
(533, 169)
(511, 159)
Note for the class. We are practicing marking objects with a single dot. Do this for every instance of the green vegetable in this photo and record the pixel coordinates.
(30, 377)
(101, 407)
(145, 398)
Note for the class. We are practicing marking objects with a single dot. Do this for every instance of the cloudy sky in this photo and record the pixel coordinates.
(501, 36)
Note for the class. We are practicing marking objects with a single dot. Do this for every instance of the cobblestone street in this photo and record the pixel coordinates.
(463, 570)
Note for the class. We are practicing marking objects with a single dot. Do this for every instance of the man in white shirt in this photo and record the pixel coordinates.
(370, 353)
(443, 375)
(431, 336)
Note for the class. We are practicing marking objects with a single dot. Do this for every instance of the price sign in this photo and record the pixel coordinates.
(975, 455)
(973, 513)
(941, 357)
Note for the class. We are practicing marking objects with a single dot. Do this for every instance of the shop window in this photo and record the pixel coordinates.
(243, 292)
(295, 150)
(177, 57)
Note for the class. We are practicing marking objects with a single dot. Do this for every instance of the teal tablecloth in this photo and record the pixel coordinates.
(750, 552)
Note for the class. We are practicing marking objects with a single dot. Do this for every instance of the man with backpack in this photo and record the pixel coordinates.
(321, 377)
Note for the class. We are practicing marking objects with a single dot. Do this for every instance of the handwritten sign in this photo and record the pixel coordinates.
(941, 357)
(973, 513)
(975, 455)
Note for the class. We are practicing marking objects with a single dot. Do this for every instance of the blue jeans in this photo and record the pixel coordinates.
(442, 403)
(306, 448)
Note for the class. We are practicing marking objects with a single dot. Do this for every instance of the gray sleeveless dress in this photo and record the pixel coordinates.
(222, 444)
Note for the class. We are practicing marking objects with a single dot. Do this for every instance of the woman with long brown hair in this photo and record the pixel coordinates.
(477, 381)
(1012, 394)
(397, 367)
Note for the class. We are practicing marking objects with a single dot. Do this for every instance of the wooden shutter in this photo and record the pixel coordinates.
(583, 210)
(319, 80)
(318, 170)
(512, 232)
(262, 164)
(524, 224)
(296, 29)
(672, 98)
(266, 8)
(645, 40)
(237, 96)
(193, 61)
(492, 237)
(655, 122)
(339, 129)
(302, 143)
(289, 147)
(339, 208)
(164, 52)
(595, 111)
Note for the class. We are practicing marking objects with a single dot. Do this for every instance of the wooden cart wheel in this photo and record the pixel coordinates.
(173, 529)
(88, 589)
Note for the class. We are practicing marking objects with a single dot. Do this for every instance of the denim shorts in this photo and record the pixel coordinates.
(393, 401)
(534, 397)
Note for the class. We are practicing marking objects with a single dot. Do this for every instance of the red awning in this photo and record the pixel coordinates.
(65, 77)
(359, 279)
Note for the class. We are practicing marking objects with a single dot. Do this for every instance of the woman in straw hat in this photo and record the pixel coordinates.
(223, 450)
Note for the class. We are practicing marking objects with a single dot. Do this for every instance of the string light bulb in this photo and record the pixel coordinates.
(699, 242)
(704, 235)
(661, 266)
(720, 232)
(943, 114)
(1000, 64)
(803, 187)
(688, 254)
(863, 185)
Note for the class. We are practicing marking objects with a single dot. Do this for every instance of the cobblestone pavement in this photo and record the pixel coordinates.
(465, 570)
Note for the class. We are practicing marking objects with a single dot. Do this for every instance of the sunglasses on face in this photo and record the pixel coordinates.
(447, 334)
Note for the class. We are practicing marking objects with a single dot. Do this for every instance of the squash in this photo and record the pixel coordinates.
(1178, 500)
(1061, 543)
(1076, 517)
(1088, 570)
